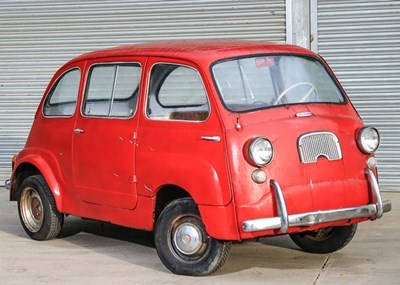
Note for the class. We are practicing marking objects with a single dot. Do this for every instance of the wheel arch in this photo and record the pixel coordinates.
(165, 195)
(23, 171)
(34, 164)
(223, 228)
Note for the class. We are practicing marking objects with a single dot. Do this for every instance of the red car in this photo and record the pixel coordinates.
(204, 143)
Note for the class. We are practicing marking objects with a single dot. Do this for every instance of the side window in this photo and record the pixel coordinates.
(176, 93)
(112, 90)
(61, 100)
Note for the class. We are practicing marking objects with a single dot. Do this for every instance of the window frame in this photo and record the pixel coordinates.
(148, 87)
(52, 89)
(87, 82)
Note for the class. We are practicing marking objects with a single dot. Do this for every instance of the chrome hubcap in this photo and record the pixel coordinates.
(188, 239)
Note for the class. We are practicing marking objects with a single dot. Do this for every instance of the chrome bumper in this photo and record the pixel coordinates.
(7, 183)
(284, 221)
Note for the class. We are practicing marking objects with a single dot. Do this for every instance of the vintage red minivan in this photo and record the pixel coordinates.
(204, 143)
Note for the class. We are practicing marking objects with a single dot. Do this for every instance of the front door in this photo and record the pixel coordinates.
(104, 144)
(181, 141)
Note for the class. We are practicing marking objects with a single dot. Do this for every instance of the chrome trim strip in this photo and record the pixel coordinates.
(7, 184)
(284, 221)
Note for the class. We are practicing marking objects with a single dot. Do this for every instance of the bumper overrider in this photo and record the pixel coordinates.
(284, 221)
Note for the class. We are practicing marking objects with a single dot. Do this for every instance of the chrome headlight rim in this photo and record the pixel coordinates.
(257, 160)
(362, 136)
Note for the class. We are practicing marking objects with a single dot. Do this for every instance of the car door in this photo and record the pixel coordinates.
(181, 139)
(103, 143)
(52, 130)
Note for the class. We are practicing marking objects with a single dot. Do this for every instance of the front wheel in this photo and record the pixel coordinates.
(37, 209)
(325, 240)
(183, 244)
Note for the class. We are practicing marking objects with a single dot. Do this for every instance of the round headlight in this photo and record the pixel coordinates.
(260, 151)
(368, 139)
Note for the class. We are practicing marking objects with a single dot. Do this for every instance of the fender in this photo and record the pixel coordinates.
(47, 165)
(209, 188)
(196, 176)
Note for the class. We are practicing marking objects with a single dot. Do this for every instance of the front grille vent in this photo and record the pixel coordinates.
(314, 145)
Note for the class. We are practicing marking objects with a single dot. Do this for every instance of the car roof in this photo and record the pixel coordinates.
(196, 50)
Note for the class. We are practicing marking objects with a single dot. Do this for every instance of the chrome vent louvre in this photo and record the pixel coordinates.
(314, 145)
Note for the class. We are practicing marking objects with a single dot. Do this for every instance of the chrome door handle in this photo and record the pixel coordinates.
(78, 131)
(211, 138)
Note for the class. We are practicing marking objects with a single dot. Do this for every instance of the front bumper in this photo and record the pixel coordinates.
(284, 221)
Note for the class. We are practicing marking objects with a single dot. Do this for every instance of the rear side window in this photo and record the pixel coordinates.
(61, 100)
(176, 93)
(112, 90)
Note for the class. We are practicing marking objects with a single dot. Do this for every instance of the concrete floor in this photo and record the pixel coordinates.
(94, 253)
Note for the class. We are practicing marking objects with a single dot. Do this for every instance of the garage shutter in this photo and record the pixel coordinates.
(361, 42)
(36, 37)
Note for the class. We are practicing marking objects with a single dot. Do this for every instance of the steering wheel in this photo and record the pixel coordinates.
(284, 92)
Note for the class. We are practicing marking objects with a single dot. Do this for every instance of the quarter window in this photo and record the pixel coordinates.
(112, 90)
(61, 100)
(176, 93)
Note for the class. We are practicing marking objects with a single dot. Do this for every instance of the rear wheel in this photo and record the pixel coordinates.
(183, 244)
(37, 209)
(325, 240)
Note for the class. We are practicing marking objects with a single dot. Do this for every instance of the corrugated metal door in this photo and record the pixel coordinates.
(361, 42)
(36, 37)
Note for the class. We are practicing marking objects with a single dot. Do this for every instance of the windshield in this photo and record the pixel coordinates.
(259, 82)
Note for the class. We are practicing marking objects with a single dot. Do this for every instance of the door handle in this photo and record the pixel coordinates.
(78, 131)
(211, 138)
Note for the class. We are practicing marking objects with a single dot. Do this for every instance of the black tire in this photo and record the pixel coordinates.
(325, 240)
(183, 244)
(37, 209)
